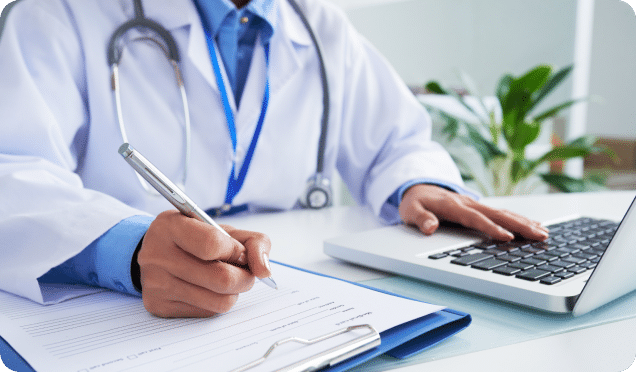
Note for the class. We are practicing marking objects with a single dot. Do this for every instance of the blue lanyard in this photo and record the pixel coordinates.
(235, 183)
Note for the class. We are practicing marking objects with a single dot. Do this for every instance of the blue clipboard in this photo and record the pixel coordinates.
(400, 342)
(408, 338)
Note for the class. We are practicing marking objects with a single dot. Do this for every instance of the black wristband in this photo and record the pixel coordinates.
(135, 270)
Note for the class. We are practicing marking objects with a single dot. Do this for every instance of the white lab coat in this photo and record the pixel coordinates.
(63, 184)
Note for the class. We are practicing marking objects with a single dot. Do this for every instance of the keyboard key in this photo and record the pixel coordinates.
(533, 250)
(506, 270)
(564, 274)
(519, 265)
(460, 254)
(509, 258)
(588, 265)
(534, 261)
(471, 259)
(558, 253)
(521, 254)
(533, 274)
(577, 269)
(544, 246)
(551, 268)
(596, 252)
(488, 264)
(551, 280)
(507, 247)
(437, 256)
(563, 264)
(575, 260)
(545, 257)
(494, 252)
(485, 245)
(569, 249)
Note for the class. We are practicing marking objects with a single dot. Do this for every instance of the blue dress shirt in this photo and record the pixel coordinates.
(235, 32)
(106, 262)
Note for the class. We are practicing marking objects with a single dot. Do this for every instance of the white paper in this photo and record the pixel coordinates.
(109, 331)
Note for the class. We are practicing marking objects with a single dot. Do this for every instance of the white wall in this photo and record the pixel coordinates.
(432, 39)
(613, 71)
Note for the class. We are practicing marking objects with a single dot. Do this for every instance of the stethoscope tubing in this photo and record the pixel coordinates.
(170, 49)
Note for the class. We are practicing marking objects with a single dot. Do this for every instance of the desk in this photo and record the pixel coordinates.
(571, 345)
(297, 238)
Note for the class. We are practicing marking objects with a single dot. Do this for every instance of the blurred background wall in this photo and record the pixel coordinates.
(438, 40)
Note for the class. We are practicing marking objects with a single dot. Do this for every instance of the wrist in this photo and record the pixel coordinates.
(135, 270)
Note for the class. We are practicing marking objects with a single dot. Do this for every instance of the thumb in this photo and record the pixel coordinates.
(421, 218)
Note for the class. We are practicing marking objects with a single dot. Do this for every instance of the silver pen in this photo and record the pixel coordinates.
(171, 192)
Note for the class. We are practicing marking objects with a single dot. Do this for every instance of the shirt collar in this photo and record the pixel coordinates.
(213, 12)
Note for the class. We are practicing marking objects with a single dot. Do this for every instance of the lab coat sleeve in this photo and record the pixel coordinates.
(386, 134)
(106, 261)
(46, 215)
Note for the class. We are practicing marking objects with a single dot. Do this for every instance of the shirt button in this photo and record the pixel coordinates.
(92, 278)
(244, 20)
(120, 286)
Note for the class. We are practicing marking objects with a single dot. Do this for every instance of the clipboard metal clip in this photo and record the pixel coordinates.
(328, 357)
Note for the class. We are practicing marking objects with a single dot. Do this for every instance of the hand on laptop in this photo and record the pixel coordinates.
(425, 205)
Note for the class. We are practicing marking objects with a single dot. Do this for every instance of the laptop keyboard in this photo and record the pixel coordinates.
(573, 248)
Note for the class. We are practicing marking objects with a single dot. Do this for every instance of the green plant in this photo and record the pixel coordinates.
(502, 143)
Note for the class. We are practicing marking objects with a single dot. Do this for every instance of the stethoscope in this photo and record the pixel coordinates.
(317, 193)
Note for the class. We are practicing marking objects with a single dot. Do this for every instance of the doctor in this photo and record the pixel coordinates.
(73, 212)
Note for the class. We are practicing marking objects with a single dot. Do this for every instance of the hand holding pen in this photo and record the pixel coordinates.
(190, 266)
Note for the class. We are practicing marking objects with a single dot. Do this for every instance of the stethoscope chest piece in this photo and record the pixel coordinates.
(317, 193)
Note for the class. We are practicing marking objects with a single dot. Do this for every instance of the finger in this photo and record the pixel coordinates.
(173, 309)
(204, 241)
(420, 217)
(215, 276)
(257, 248)
(514, 222)
(175, 290)
(474, 219)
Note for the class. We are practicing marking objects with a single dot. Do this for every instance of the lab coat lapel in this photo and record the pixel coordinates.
(284, 62)
(174, 14)
(288, 40)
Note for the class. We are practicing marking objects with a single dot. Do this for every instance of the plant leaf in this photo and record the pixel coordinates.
(556, 109)
(569, 184)
(452, 126)
(534, 79)
(552, 83)
(519, 169)
(485, 148)
(580, 147)
(520, 134)
(503, 88)
(435, 87)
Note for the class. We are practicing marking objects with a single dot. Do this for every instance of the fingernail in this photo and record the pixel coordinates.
(266, 262)
(242, 260)
(542, 232)
(508, 234)
(429, 225)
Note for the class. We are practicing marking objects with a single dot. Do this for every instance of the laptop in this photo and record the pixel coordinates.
(585, 263)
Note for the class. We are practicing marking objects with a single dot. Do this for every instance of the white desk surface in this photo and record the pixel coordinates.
(297, 238)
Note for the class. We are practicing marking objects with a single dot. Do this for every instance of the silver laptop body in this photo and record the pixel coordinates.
(405, 251)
